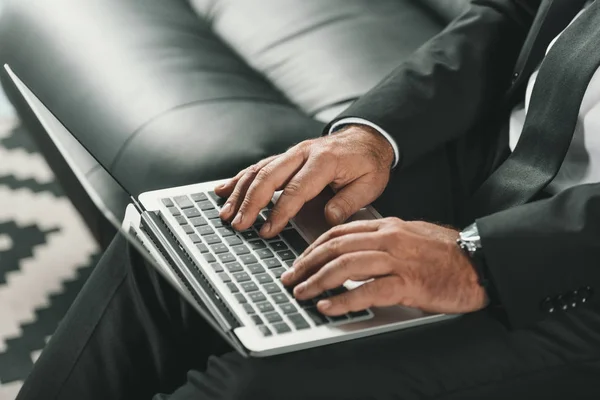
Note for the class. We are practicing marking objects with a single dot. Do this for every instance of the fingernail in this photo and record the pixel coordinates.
(225, 208)
(221, 186)
(336, 212)
(238, 218)
(287, 274)
(300, 288)
(324, 304)
(266, 228)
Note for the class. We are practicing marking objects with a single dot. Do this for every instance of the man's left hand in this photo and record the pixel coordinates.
(415, 264)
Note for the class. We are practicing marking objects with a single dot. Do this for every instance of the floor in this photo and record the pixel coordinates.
(46, 252)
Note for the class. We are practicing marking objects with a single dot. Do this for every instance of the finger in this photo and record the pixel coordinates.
(341, 230)
(364, 264)
(328, 251)
(266, 182)
(234, 200)
(350, 199)
(226, 188)
(312, 178)
(381, 292)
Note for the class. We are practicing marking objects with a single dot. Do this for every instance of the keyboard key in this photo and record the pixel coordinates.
(271, 288)
(226, 231)
(211, 214)
(295, 240)
(232, 287)
(255, 268)
(282, 327)
(199, 197)
(233, 267)
(288, 308)
(248, 308)
(241, 276)
(265, 253)
(195, 238)
(272, 263)
(273, 317)
(248, 259)
(337, 318)
(289, 263)
(183, 202)
(304, 303)
(167, 202)
(257, 244)
(316, 316)
(257, 320)
(205, 205)
(240, 250)
(209, 258)
(257, 297)
(263, 278)
(191, 212)
(174, 211)
(249, 287)
(249, 234)
(278, 272)
(216, 267)
(224, 277)
(219, 248)
(264, 307)
(205, 230)
(298, 321)
(358, 314)
(240, 298)
(218, 223)
(279, 298)
(286, 255)
(264, 330)
(278, 246)
(187, 229)
(181, 220)
(233, 240)
(198, 221)
(226, 257)
(213, 195)
(212, 239)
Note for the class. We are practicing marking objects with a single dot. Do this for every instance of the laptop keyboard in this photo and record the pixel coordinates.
(251, 266)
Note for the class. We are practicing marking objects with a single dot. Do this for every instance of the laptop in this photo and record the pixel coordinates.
(232, 278)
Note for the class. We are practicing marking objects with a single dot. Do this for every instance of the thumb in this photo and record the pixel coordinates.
(351, 199)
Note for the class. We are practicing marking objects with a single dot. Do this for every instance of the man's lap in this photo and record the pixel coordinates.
(473, 356)
(130, 335)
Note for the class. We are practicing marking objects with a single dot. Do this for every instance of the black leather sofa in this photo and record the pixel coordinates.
(172, 92)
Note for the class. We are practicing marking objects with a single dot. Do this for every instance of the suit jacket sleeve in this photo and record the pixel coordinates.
(545, 255)
(454, 80)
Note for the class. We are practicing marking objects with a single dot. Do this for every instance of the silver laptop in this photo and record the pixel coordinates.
(232, 278)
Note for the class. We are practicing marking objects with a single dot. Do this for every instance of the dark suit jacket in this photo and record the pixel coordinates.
(475, 71)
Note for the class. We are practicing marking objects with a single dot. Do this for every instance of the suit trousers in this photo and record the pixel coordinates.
(129, 335)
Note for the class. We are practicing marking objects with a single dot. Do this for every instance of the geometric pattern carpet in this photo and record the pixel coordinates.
(46, 255)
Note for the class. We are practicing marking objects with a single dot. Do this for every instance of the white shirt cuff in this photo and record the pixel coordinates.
(359, 121)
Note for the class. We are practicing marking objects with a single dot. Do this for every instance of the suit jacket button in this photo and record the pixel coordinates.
(547, 305)
(571, 300)
(584, 294)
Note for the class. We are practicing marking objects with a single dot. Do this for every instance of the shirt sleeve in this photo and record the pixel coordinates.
(359, 121)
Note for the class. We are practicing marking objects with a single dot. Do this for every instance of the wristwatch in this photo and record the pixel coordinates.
(470, 242)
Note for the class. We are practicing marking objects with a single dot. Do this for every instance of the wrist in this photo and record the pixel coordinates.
(377, 143)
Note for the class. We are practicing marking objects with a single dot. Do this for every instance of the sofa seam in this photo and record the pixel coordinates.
(144, 125)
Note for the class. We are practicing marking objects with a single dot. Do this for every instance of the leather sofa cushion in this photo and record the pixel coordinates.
(165, 94)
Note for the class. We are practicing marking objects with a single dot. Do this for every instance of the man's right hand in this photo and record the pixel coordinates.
(355, 161)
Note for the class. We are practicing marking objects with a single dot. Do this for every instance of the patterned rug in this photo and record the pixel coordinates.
(46, 254)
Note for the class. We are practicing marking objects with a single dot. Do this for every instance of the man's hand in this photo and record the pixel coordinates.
(415, 264)
(355, 162)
